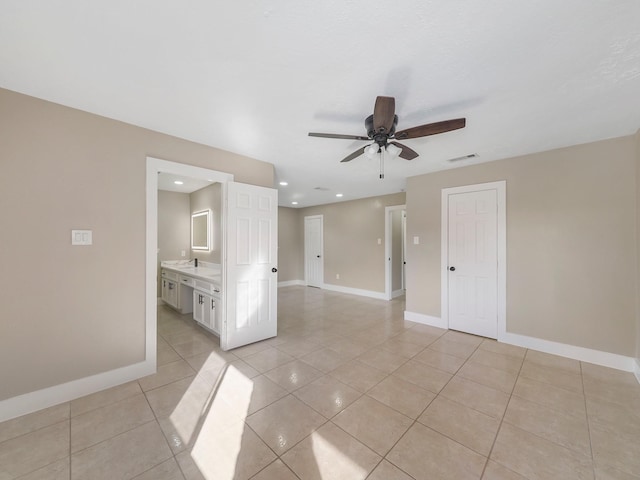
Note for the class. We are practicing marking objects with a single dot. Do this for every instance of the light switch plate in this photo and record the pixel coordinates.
(416, 240)
(81, 237)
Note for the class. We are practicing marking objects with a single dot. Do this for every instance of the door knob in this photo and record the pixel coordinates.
(318, 256)
(274, 270)
(453, 269)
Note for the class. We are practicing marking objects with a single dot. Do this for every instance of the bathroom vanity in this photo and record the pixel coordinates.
(196, 290)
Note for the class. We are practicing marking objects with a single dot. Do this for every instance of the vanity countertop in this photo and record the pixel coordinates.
(204, 273)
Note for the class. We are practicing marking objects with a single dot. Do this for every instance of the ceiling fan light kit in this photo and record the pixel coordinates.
(393, 151)
(372, 150)
(381, 128)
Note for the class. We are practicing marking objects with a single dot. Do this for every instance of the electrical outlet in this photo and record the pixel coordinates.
(183, 253)
(337, 276)
(379, 241)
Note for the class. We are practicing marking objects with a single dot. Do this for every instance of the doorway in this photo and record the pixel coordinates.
(313, 251)
(473, 278)
(249, 224)
(395, 234)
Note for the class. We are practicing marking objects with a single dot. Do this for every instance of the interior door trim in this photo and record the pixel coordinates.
(501, 193)
(155, 166)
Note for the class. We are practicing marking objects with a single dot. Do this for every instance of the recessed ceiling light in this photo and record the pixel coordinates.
(338, 194)
(284, 184)
(178, 182)
(294, 203)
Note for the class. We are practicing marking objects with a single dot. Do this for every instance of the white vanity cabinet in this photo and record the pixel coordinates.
(194, 289)
(185, 304)
(206, 305)
(170, 288)
(204, 310)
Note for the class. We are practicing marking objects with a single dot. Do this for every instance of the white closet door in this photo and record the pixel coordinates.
(473, 262)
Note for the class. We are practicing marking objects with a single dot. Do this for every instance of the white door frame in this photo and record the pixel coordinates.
(306, 273)
(155, 166)
(388, 235)
(501, 194)
(404, 251)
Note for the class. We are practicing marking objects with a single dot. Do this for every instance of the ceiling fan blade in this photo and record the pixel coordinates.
(431, 129)
(406, 153)
(337, 135)
(383, 114)
(355, 154)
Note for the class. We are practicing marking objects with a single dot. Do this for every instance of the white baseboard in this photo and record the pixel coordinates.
(341, 289)
(397, 293)
(291, 283)
(354, 291)
(48, 397)
(605, 359)
(425, 319)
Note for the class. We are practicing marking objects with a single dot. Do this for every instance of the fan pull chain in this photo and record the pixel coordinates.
(382, 149)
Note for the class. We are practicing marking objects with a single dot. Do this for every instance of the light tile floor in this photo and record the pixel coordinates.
(347, 390)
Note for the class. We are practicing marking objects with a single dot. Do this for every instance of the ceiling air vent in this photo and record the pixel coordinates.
(464, 157)
(322, 189)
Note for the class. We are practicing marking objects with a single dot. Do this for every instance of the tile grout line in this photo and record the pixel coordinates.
(502, 419)
(382, 457)
(274, 461)
(586, 413)
(427, 406)
(330, 420)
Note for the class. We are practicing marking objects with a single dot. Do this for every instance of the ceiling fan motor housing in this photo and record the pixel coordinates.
(380, 137)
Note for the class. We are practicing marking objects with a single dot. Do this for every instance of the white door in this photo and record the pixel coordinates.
(472, 265)
(313, 251)
(250, 281)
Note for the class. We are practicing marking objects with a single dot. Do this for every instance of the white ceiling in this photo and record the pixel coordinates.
(167, 181)
(254, 77)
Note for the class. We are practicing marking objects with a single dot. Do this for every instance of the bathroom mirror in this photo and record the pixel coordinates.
(200, 230)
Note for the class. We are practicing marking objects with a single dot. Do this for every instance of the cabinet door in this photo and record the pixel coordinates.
(214, 314)
(165, 291)
(172, 293)
(206, 310)
(197, 306)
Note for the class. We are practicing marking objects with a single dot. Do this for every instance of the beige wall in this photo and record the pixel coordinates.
(290, 245)
(571, 249)
(209, 198)
(351, 233)
(69, 312)
(174, 227)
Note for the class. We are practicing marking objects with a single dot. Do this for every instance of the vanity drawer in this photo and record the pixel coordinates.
(169, 275)
(206, 286)
(188, 281)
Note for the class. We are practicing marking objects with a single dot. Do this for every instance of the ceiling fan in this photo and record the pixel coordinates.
(381, 128)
